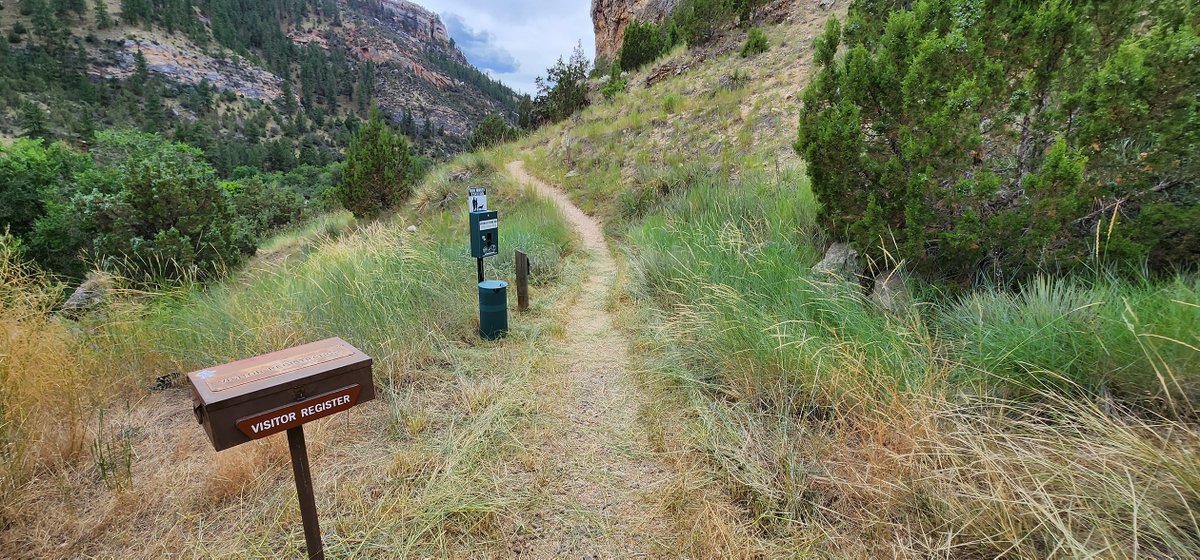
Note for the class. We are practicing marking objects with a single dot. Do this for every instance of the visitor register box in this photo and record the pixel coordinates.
(253, 398)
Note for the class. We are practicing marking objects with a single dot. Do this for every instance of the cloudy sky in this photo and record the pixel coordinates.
(516, 40)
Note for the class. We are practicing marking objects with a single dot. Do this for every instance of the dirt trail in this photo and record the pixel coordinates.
(602, 467)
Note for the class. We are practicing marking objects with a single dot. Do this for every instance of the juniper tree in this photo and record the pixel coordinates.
(978, 134)
(375, 176)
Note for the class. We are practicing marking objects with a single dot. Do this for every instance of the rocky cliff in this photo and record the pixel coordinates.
(610, 17)
(418, 21)
(417, 69)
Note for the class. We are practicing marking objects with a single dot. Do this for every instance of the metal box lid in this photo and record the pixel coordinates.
(236, 382)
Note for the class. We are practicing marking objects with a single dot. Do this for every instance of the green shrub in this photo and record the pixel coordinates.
(376, 175)
(158, 212)
(698, 21)
(493, 130)
(31, 173)
(671, 103)
(756, 43)
(642, 43)
(616, 83)
(924, 148)
(264, 203)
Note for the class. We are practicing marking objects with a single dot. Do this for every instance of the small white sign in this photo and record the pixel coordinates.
(477, 199)
(489, 224)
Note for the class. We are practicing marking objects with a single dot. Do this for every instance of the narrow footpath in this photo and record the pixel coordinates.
(603, 472)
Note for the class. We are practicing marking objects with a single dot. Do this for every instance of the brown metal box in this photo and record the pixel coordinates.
(256, 397)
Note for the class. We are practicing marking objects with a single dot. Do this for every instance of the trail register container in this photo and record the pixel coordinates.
(257, 397)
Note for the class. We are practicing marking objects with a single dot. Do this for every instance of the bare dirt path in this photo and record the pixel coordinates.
(602, 473)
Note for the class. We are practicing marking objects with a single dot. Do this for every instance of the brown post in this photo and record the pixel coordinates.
(522, 268)
(304, 492)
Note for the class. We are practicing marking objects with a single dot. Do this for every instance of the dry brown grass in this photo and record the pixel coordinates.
(42, 378)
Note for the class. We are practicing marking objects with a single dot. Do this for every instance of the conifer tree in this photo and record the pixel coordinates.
(154, 115)
(375, 177)
(966, 136)
(33, 121)
(103, 20)
(141, 74)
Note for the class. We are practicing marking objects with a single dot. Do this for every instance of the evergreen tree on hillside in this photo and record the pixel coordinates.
(366, 85)
(141, 75)
(563, 91)
(33, 121)
(103, 20)
(135, 11)
(642, 43)
(376, 174)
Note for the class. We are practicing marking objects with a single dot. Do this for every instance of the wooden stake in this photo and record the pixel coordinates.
(304, 491)
(522, 269)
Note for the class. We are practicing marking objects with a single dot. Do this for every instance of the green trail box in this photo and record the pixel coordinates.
(484, 234)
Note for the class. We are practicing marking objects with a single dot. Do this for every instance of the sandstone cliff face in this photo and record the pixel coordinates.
(610, 17)
(418, 21)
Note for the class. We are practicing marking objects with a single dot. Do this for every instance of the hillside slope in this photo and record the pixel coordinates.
(414, 71)
(706, 109)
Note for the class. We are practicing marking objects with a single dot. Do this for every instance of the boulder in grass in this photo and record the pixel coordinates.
(91, 293)
(841, 262)
(891, 293)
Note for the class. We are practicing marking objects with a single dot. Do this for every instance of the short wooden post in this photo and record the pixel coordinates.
(522, 268)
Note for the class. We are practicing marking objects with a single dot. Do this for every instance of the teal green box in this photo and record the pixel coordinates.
(485, 228)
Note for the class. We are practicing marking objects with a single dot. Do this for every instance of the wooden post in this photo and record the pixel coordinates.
(522, 269)
(304, 491)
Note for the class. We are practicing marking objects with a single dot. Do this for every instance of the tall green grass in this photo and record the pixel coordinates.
(402, 297)
(738, 258)
(1049, 421)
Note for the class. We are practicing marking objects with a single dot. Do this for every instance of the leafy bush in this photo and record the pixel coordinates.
(642, 43)
(756, 43)
(698, 21)
(968, 137)
(142, 206)
(377, 172)
(264, 203)
(493, 130)
(30, 172)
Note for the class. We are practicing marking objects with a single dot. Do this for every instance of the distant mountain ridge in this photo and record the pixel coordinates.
(417, 74)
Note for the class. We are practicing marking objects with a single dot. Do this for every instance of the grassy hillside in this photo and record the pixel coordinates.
(1052, 419)
(103, 458)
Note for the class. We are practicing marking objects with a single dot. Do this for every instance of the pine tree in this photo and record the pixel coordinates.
(408, 124)
(141, 75)
(375, 177)
(564, 90)
(154, 115)
(287, 99)
(103, 20)
(33, 121)
(366, 85)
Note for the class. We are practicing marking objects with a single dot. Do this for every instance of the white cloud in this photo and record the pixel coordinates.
(533, 34)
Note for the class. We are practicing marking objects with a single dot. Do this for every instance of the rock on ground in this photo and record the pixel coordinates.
(90, 293)
(841, 260)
